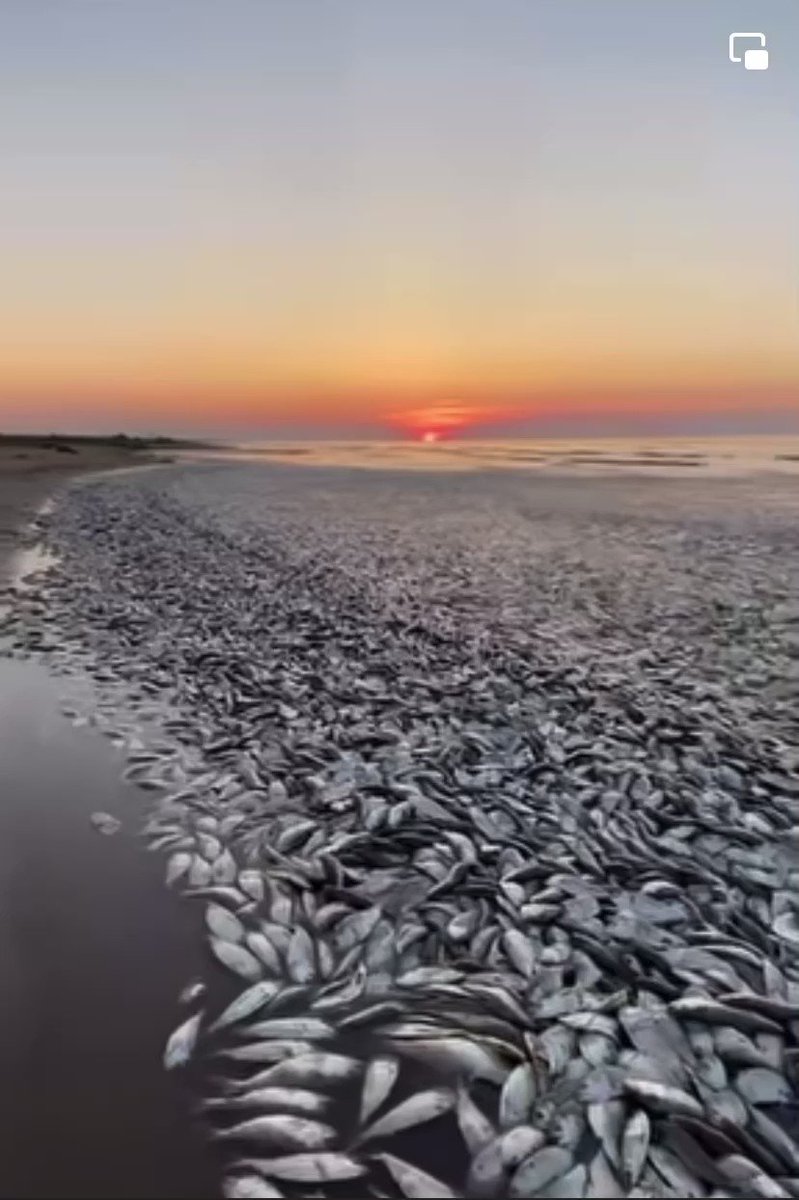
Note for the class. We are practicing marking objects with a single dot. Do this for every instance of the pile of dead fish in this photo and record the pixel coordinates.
(491, 805)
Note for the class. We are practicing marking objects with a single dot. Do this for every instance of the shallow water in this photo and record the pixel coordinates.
(94, 954)
(682, 457)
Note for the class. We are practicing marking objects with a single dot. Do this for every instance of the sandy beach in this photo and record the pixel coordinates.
(451, 761)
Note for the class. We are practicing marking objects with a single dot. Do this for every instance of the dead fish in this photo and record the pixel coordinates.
(558, 1044)
(421, 977)
(264, 949)
(517, 1097)
(541, 1168)
(379, 1079)
(251, 1001)
(661, 1098)
(200, 874)
(518, 1144)
(300, 956)
(766, 1006)
(281, 1131)
(634, 1147)
(749, 1178)
(786, 926)
(313, 1068)
(760, 1085)
(735, 1047)
(179, 863)
(602, 1179)
(104, 823)
(519, 950)
(607, 1122)
(308, 1168)
(237, 958)
(476, 1129)
(416, 1110)
(340, 994)
(467, 1058)
(249, 1186)
(570, 1186)
(280, 1099)
(486, 1175)
(698, 1008)
(777, 1140)
(191, 992)
(308, 1029)
(413, 1182)
(273, 1050)
(675, 1174)
(181, 1043)
(223, 924)
(356, 928)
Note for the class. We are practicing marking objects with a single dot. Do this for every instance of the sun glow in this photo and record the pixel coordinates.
(430, 437)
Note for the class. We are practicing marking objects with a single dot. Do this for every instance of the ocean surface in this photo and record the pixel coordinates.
(728, 456)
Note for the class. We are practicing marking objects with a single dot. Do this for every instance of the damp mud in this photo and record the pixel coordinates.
(94, 954)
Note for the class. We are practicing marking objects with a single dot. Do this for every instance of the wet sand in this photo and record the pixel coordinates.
(94, 950)
(94, 953)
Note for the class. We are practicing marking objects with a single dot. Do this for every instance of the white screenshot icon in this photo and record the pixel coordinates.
(753, 59)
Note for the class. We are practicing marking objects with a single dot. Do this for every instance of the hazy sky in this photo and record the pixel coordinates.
(352, 215)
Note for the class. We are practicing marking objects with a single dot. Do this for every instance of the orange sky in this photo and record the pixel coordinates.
(369, 220)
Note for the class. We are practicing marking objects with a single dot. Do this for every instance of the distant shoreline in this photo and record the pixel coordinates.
(33, 465)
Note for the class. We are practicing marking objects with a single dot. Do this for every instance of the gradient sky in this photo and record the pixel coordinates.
(351, 216)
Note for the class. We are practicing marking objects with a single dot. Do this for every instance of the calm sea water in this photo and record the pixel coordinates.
(681, 456)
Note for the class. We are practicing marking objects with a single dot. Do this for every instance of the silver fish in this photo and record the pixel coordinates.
(181, 1043)
(607, 1121)
(300, 957)
(104, 823)
(476, 1129)
(191, 992)
(570, 1186)
(517, 1097)
(312, 1068)
(416, 1110)
(264, 949)
(273, 1050)
(237, 958)
(309, 1029)
(760, 1085)
(223, 924)
(281, 1099)
(413, 1182)
(518, 1144)
(328, 1167)
(251, 1001)
(541, 1168)
(661, 1098)
(379, 1079)
(487, 1172)
(519, 950)
(281, 1131)
(179, 863)
(634, 1147)
(249, 1186)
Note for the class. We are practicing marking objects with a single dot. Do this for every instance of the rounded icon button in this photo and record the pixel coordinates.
(753, 59)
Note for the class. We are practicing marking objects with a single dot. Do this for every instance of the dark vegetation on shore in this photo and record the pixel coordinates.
(68, 443)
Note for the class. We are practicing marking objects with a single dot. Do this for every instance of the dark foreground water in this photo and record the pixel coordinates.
(94, 953)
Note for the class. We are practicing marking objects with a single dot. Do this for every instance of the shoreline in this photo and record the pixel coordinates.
(26, 484)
